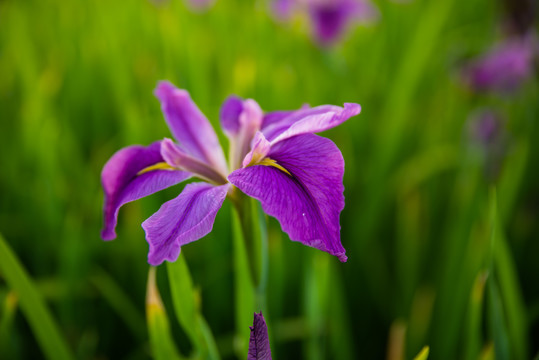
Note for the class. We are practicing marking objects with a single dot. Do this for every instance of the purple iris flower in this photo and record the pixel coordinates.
(259, 347)
(330, 18)
(274, 157)
(505, 67)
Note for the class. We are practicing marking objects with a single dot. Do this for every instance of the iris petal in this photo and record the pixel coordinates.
(189, 126)
(182, 220)
(308, 203)
(130, 174)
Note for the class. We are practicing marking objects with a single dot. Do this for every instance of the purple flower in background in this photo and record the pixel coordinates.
(488, 135)
(330, 19)
(259, 347)
(274, 157)
(505, 67)
(200, 5)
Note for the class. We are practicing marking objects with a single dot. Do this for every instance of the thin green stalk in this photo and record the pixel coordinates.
(33, 306)
(250, 266)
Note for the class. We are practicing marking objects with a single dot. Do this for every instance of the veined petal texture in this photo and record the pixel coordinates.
(308, 202)
(259, 346)
(310, 120)
(182, 220)
(122, 182)
(189, 125)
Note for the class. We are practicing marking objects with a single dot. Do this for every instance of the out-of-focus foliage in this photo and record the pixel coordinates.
(442, 250)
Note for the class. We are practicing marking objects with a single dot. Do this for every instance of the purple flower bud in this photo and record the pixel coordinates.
(259, 347)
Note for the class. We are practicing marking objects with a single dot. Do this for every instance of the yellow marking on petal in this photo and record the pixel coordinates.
(159, 166)
(270, 162)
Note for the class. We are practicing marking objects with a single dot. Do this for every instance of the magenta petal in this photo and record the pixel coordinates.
(318, 122)
(121, 183)
(311, 120)
(259, 347)
(308, 203)
(189, 126)
(182, 220)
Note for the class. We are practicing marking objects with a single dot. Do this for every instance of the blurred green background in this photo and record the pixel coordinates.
(441, 252)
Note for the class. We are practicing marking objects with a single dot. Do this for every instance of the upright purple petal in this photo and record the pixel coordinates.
(189, 126)
(259, 347)
(230, 115)
(186, 218)
(308, 202)
(311, 120)
(122, 182)
(240, 119)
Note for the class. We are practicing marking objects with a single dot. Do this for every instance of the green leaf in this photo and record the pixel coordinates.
(33, 306)
(209, 340)
(187, 309)
(497, 323)
(161, 341)
(423, 354)
(120, 302)
(183, 298)
(510, 296)
(9, 310)
(244, 288)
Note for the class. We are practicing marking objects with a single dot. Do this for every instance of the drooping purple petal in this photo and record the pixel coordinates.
(310, 120)
(186, 218)
(277, 117)
(308, 202)
(259, 347)
(122, 182)
(189, 126)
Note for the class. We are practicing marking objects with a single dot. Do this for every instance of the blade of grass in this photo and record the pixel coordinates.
(244, 289)
(423, 354)
(33, 306)
(183, 298)
(120, 302)
(6, 323)
(161, 341)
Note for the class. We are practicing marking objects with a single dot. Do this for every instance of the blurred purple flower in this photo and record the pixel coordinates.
(487, 133)
(486, 127)
(505, 67)
(259, 347)
(330, 19)
(200, 5)
(274, 157)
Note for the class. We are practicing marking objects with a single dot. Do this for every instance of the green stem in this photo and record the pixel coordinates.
(250, 265)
